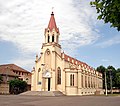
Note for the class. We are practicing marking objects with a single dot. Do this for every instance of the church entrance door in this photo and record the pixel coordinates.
(48, 84)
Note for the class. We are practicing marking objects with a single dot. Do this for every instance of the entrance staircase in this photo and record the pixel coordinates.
(43, 93)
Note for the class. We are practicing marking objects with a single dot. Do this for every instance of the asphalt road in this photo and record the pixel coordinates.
(19, 100)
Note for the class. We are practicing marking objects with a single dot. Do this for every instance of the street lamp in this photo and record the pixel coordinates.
(110, 70)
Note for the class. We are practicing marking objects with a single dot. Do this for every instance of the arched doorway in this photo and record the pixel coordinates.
(47, 80)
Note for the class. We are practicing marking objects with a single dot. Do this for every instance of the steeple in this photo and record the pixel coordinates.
(52, 32)
(52, 23)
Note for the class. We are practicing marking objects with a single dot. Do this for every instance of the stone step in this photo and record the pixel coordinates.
(58, 93)
(43, 93)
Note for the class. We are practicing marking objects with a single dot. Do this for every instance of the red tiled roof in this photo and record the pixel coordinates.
(13, 67)
(9, 72)
(72, 59)
(52, 23)
(75, 61)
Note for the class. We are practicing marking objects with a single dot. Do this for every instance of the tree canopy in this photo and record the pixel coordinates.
(115, 73)
(17, 86)
(109, 11)
(0, 79)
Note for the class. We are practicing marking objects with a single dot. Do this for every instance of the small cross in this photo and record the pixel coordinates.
(52, 9)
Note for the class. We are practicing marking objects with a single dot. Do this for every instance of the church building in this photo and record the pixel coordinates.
(56, 71)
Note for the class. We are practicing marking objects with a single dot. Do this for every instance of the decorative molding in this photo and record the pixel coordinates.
(51, 44)
(71, 72)
(72, 86)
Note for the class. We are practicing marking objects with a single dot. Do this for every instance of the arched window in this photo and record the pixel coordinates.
(86, 81)
(58, 75)
(94, 82)
(91, 82)
(38, 74)
(47, 58)
(71, 79)
(53, 38)
(82, 81)
(48, 38)
(39, 69)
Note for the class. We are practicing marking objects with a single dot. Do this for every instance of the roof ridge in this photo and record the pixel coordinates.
(77, 60)
(15, 67)
(6, 64)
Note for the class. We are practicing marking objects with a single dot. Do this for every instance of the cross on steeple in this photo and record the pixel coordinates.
(52, 9)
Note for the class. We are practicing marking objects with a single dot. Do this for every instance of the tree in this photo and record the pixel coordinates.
(109, 11)
(111, 71)
(115, 75)
(118, 70)
(102, 70)
(118, 80)
(17, 86)
(0, 79)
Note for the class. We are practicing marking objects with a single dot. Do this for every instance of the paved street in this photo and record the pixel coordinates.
(17, 100)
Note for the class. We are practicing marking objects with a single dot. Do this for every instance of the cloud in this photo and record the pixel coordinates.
(22, 22)
(24, 62)
(112, 41)
(105, 60)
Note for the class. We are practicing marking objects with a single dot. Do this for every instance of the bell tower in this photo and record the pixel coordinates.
(52, 32)
(50, 54)
(51, 45)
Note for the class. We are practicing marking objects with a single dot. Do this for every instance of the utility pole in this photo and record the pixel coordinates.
(105, 84)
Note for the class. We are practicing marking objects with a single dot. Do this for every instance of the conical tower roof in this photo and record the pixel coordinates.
(52, 24)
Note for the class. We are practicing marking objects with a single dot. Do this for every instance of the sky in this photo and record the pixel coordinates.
(82, 36)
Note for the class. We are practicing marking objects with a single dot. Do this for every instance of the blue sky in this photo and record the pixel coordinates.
(22, 24)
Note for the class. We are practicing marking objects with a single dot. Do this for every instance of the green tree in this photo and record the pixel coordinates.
(102, 70)
(0, 79)
(115, 74)
(111, 70)
(118, 70)
(109, 11)
(17, 86)
(118, 80)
